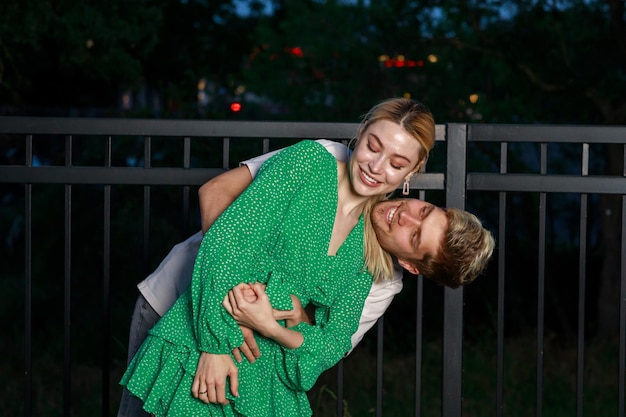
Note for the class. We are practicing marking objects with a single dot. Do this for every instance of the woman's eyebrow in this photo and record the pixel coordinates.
(380, 143)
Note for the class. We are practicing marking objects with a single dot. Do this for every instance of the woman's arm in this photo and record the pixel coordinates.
(326, 342)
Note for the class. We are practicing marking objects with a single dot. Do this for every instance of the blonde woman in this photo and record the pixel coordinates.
(299, 230)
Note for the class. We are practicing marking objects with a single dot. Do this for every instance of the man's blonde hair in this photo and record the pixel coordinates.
(463, 254)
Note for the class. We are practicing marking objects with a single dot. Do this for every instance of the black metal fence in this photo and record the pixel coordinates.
(553, 196)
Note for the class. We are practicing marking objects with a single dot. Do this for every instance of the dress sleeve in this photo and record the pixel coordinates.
(326, 342)
(231, 247)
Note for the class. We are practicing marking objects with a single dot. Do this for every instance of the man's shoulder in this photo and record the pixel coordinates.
(337, 149)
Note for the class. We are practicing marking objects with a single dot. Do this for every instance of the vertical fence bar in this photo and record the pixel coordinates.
(622, 309)
(453, 299)
(501, 283)
(582, 267)
(379, 366)
(541, 286)
(225, 153)
(28, 284)
(147, 155)
(106, 286)
(186, 188)
(67, 359)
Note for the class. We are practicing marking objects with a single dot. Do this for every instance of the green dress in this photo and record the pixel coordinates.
(277, 232)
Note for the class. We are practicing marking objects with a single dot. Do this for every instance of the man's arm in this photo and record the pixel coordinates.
(218, 193)
(378, 300)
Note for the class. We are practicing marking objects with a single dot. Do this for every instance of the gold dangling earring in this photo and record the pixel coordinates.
(405, 186)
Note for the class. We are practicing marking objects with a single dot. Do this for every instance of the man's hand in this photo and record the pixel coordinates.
(209, 383)
(295, 316)
(249, 348)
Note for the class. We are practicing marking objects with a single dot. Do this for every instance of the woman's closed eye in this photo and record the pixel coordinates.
(373, 146)
(396, 165)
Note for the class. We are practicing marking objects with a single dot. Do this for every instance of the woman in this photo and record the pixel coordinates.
(298, 229)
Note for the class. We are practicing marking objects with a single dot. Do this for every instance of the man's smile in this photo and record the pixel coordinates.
(390, 215)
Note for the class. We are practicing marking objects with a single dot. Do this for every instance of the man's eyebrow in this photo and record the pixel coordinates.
(418, 238)
(430, 209)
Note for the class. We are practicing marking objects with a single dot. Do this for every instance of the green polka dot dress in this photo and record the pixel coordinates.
(277, 233)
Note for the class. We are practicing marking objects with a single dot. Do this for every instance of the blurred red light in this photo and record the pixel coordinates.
(235, 107)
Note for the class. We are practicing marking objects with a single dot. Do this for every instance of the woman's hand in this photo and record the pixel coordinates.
(255, 311)
(249, 348)
(209, 383)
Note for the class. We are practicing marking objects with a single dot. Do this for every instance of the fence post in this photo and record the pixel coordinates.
(456, 138)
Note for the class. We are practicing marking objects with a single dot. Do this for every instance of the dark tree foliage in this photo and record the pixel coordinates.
(479, 61)
(56, 54)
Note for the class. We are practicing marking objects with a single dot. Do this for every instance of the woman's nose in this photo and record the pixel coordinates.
(376, 165)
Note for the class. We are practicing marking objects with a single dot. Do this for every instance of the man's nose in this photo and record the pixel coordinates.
(406, 218)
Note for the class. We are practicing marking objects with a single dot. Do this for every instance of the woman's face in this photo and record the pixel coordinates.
(384, 155)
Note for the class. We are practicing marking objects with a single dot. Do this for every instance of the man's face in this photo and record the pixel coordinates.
(409, 228)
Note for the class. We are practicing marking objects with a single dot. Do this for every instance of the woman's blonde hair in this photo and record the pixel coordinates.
(419, 122)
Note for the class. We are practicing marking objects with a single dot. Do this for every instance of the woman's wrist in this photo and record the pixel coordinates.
(286, 337)
(272, 330)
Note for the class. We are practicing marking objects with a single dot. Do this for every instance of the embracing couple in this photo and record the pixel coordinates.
(315, 228)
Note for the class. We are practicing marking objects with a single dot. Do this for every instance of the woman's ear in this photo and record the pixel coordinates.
(421, 166)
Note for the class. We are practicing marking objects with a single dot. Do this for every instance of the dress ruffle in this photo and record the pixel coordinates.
(161, 375)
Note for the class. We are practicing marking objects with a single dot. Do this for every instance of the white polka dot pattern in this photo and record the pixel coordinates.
(277, 233)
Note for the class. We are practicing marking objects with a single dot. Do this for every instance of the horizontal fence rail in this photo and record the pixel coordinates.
(487, 169)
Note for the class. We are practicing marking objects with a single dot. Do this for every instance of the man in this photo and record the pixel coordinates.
(413, 230)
